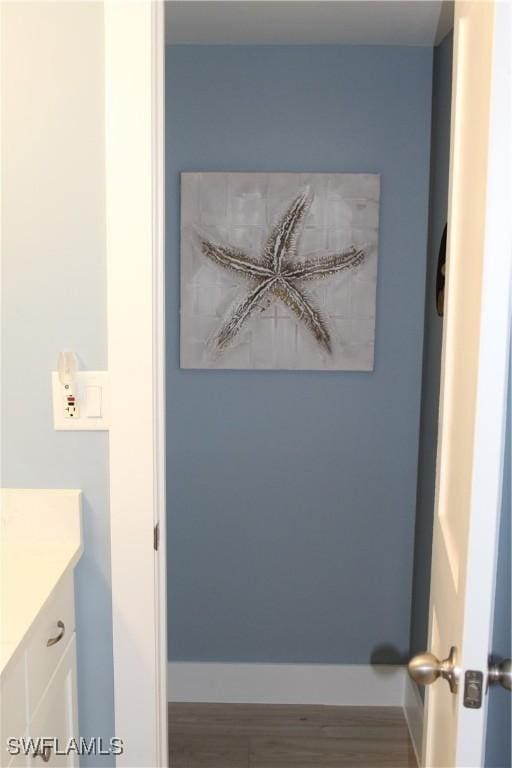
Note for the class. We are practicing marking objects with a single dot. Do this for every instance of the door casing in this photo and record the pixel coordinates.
(134, 125)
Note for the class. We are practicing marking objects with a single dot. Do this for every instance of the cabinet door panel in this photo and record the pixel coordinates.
(56, 715)
(13, 717)
(22, 760)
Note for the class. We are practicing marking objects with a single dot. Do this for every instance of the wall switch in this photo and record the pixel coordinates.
(90, 407)
(92, 401)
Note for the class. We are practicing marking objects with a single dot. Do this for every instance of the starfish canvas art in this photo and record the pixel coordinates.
(279, 270)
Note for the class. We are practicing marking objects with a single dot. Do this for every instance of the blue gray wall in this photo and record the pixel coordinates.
(54, 292)
(439, 169)
(292, 495)
(498, 753)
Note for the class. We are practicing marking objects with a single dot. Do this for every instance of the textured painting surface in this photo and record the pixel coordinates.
(278, 270)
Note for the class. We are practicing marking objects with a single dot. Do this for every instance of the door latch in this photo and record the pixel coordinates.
(473, 686)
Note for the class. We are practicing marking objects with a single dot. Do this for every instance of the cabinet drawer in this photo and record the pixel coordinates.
(42, 659)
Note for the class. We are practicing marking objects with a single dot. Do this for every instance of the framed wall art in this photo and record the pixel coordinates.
(279, 270)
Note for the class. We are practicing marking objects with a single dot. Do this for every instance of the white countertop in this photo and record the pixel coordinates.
(41, 540)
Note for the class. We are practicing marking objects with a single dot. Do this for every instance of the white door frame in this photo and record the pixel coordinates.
(134, 124)
(134, 103)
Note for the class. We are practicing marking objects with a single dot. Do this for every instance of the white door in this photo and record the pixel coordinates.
(473, 380)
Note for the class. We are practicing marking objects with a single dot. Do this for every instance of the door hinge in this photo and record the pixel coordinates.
(156, 536)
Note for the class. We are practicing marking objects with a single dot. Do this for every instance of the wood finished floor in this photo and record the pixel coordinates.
(281, 736)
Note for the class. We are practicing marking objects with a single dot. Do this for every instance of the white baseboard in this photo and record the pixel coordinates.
(336, 684)
(413, 711)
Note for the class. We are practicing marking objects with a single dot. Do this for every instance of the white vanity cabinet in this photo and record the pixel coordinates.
(38, 683)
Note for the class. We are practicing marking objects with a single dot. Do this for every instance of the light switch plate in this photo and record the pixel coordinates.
(92, 390)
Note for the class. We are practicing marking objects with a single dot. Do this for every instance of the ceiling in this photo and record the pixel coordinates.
(317, 22)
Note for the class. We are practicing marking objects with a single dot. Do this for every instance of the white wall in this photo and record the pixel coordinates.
(54, 288)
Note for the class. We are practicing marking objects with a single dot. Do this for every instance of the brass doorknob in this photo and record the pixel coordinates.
(425, 668)
(501, 673)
